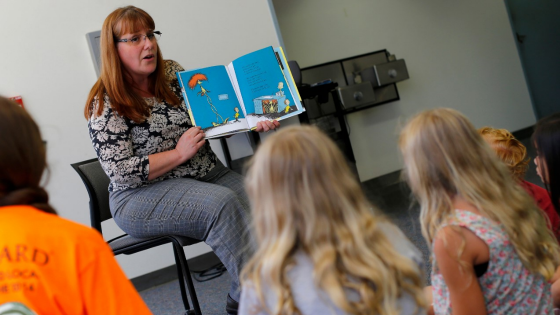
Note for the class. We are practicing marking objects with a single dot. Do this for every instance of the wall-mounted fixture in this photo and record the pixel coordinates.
(352, 84)
(385, 73)
(363, 81)
(94, 43)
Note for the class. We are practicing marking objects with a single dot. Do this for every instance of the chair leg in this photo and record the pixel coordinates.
(182, 261)
(190, 285)
(180, 275)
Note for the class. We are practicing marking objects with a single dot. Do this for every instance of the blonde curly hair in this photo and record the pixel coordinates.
(305, 198)
(445, 157)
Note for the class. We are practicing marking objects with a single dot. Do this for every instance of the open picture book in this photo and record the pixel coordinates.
(224, 100)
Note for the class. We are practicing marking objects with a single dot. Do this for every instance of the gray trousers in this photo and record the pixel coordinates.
(214, 209)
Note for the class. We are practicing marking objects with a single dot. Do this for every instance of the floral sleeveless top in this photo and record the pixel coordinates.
(508, 287)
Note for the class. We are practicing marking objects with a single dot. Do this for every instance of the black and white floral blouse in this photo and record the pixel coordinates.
(123, 146)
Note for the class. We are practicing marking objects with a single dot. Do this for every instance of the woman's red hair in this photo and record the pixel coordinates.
(114, 79)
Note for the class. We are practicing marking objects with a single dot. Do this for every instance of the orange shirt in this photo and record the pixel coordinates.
(55, 266)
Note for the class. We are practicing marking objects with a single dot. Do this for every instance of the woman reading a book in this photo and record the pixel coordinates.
(165, 178)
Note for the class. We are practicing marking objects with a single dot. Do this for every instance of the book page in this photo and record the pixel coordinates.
(212, 101)
(263, 87)
(233, 79)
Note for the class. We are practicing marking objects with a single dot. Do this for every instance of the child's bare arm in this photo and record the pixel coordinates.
(458, 271)
(555, 281)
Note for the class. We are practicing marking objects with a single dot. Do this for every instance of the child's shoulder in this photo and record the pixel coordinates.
(470, 231)
(452, 242)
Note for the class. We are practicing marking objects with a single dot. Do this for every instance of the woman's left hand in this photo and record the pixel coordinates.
(267, 125)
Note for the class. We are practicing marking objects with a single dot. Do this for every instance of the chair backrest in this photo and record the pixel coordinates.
(296, 72)
(97, 185)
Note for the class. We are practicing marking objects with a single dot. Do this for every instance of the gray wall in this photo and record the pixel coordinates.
(460, 54)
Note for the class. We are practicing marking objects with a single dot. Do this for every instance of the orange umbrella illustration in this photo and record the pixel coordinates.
(196, 79)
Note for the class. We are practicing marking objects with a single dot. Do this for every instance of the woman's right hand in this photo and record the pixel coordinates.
(189, 143)
(187, 146)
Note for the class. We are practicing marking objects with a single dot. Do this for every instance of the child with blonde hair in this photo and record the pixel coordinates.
(492, 252)
(321, 249)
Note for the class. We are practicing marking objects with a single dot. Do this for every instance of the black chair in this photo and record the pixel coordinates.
(97, 184)
(296, 72)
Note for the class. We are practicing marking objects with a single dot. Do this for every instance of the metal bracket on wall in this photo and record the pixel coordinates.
(94, 43)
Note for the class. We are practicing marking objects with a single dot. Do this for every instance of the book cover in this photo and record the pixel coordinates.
(255, 87)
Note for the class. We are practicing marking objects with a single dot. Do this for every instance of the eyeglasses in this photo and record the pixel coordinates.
(137, 39)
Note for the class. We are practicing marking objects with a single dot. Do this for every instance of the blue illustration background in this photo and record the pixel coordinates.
(218, 84)
(267, 63)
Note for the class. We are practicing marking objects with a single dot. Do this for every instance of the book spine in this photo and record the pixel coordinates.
(289, 71)
(279, 60)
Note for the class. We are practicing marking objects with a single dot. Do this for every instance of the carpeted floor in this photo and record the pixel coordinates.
(166, 299)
